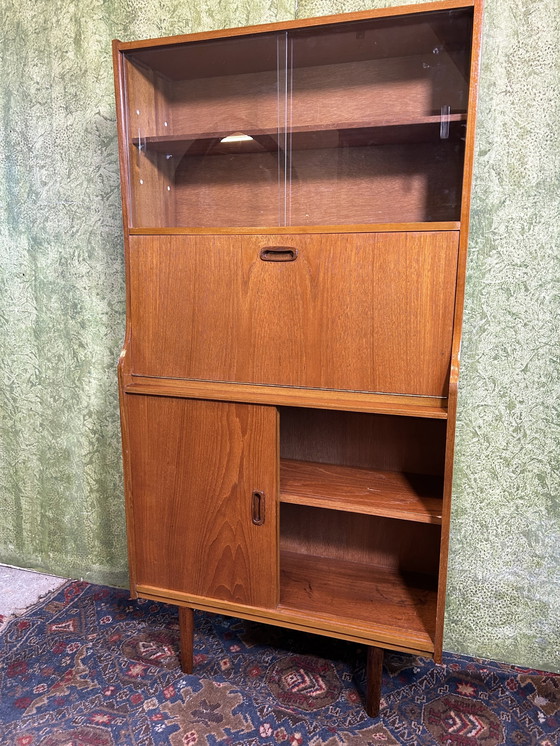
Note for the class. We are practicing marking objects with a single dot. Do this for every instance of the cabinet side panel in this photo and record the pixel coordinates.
(195, 466)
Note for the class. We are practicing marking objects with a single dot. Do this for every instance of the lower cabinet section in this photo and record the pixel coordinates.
(325, 521)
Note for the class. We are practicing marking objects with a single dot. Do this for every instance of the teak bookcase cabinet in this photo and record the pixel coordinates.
(296, 203)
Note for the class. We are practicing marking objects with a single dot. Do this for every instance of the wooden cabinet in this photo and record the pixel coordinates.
(296, 202)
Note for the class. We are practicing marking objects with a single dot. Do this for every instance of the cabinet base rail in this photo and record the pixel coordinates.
(377, 635)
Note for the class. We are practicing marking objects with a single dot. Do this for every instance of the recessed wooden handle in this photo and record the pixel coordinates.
(257, 507)
(278, 254)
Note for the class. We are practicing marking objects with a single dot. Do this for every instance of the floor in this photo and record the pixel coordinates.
(20, 589)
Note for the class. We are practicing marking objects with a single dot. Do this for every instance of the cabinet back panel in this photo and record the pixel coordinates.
(367, 91)
(194, 467)
(369, 441)
(229, 190)
(378, 184)
(366, 312)
(380, 542)
(411, 183)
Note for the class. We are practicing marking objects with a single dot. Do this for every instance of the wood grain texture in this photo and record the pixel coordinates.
(245, 189)
(391, 545)
(147, 110)
(381, 131)
(381, 183)
(374, 671)
(405, 406)
(370, 314)
(320, 94)
(411, 497)
(449, 225)
(352, 630)
(415, 85)
(122, 376)
(195, 465)
(354, 592)
(367, 441)
(340, 183)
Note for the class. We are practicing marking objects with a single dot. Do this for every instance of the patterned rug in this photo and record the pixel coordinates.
(88, 667)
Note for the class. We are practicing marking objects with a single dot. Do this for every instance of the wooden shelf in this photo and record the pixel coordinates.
(411, 497)
(361, 597)
(305, 137)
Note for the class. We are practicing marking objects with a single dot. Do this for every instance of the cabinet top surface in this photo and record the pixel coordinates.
(439, 5)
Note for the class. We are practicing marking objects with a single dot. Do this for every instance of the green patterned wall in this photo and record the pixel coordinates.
(62, 308)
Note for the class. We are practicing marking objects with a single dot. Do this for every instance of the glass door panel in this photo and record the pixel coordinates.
(206, 133)
(377, 120)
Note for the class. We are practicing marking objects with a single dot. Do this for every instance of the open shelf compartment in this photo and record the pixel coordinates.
(369, 574)
(375, 602)
(361, 499)
(372, 464)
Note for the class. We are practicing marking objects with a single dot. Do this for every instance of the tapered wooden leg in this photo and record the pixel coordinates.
(186, 630)
(374, 669)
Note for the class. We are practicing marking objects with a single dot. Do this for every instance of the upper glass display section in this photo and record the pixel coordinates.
(354, 123)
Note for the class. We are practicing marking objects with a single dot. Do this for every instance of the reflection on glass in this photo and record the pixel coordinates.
(378, 113)
(357, 123)
(206, 132)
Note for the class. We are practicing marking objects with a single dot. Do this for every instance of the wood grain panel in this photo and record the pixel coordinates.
(392, 494)
(237, 189)
(151, 174)
(396, 546)
(384, 131)
(452, 225)
(414, 642)
(413, 85)
(363, 313)
(194, 466)
(378, 184)
(423, 407)
(353, 591)
(367, 441)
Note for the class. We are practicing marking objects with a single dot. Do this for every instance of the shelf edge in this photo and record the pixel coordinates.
(409, 504)
(397, 404)
(427, 227)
